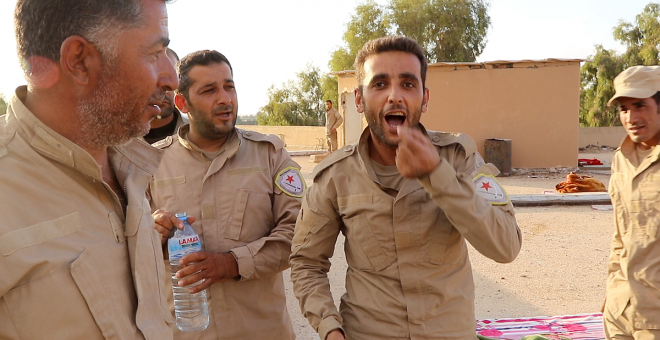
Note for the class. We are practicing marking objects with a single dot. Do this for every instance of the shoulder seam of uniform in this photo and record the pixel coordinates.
(334, 158)
(447, 138)
(262, 137)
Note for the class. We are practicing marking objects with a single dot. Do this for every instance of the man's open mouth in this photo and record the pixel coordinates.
(395, 119)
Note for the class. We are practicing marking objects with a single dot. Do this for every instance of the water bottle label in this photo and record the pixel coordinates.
(180, 247)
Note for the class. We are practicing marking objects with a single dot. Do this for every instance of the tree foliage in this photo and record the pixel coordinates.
(448, 30)
(641, 41)
(300, 102)
(3, 105)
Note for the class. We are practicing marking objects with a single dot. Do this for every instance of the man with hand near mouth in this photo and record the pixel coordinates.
(632, 304)
(406, 199)
(170, 119)
(244, 190)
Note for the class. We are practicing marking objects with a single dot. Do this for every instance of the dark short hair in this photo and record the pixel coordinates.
(171, 51)
(42, 26)
(388, 44)
(329, 101)
(203, 58)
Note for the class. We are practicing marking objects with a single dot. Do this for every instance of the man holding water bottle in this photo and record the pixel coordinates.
(244, 191)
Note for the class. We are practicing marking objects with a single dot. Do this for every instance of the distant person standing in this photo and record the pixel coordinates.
(332, 121)
(632, 308)
(170, 118)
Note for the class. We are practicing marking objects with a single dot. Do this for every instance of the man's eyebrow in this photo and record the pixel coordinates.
(163, 41)
(213, 83)
(408, 75)
(377, 77)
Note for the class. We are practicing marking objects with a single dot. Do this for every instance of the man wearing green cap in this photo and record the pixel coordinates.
(632, 308)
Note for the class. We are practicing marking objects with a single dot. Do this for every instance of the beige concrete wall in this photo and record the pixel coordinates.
(293, 136)
(610, 136)
(535, 104)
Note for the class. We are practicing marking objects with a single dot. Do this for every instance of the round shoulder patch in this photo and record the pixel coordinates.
(490, 189)
(291, 182)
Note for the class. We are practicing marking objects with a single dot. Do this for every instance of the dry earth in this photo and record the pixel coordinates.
(561, 268)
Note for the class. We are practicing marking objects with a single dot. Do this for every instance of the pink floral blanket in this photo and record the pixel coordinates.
(575, 327)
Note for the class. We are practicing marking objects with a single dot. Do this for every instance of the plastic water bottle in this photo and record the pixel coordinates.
(191, 310)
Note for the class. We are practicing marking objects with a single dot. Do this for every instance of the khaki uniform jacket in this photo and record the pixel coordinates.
(408, 275)
(332, 120)
(239, 209)
(73, 264)
(634, 264)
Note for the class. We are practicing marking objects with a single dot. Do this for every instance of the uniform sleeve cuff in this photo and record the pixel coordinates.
(245, 262)
(439, 177)
(328, 325)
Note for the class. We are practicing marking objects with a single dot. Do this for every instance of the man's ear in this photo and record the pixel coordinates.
(359, 105)
(80, 61)
(425, 100)
(181, 103)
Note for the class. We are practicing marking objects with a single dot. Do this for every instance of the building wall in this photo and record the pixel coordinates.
(293, 136)
(533, 103)
(610, 136)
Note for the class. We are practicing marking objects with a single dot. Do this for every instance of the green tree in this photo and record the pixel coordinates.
(370, 21)
(3, 105)
(300, 102)
(641, 41)
(596, 82)
(454, 30)
(448, 30)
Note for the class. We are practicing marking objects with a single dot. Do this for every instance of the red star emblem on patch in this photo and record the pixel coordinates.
(485, 185)
(289, 179)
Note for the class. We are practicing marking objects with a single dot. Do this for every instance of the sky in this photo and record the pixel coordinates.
(269, 41)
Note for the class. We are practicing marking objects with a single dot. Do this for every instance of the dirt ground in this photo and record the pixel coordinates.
(561, 268)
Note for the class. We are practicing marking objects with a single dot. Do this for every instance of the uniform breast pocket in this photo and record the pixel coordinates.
(252, 216)
(163, 193)
(69, 296)
(363, 246)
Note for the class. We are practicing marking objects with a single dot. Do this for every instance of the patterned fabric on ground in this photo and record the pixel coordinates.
(575, 327)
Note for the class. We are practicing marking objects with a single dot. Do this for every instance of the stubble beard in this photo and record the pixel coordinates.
(112, 114)
(205, 127)
(375, 120)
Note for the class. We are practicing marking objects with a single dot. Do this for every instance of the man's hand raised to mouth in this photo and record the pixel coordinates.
(415, 155)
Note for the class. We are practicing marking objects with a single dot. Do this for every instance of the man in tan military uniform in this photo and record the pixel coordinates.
(170, 119)
(78, 253)
(406, 199)
(332, 121)
(632, 308)
(244, 190)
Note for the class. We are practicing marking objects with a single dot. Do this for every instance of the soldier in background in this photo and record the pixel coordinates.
(170, 118)
(332, 121)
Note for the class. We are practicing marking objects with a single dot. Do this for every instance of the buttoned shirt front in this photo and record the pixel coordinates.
(239, 208)
(74, 264)
(634, 264)
(408, 275)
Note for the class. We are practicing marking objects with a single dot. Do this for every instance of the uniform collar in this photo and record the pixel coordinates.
(228, 149)
(628, 149)
(365, 161)
(52, 145)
